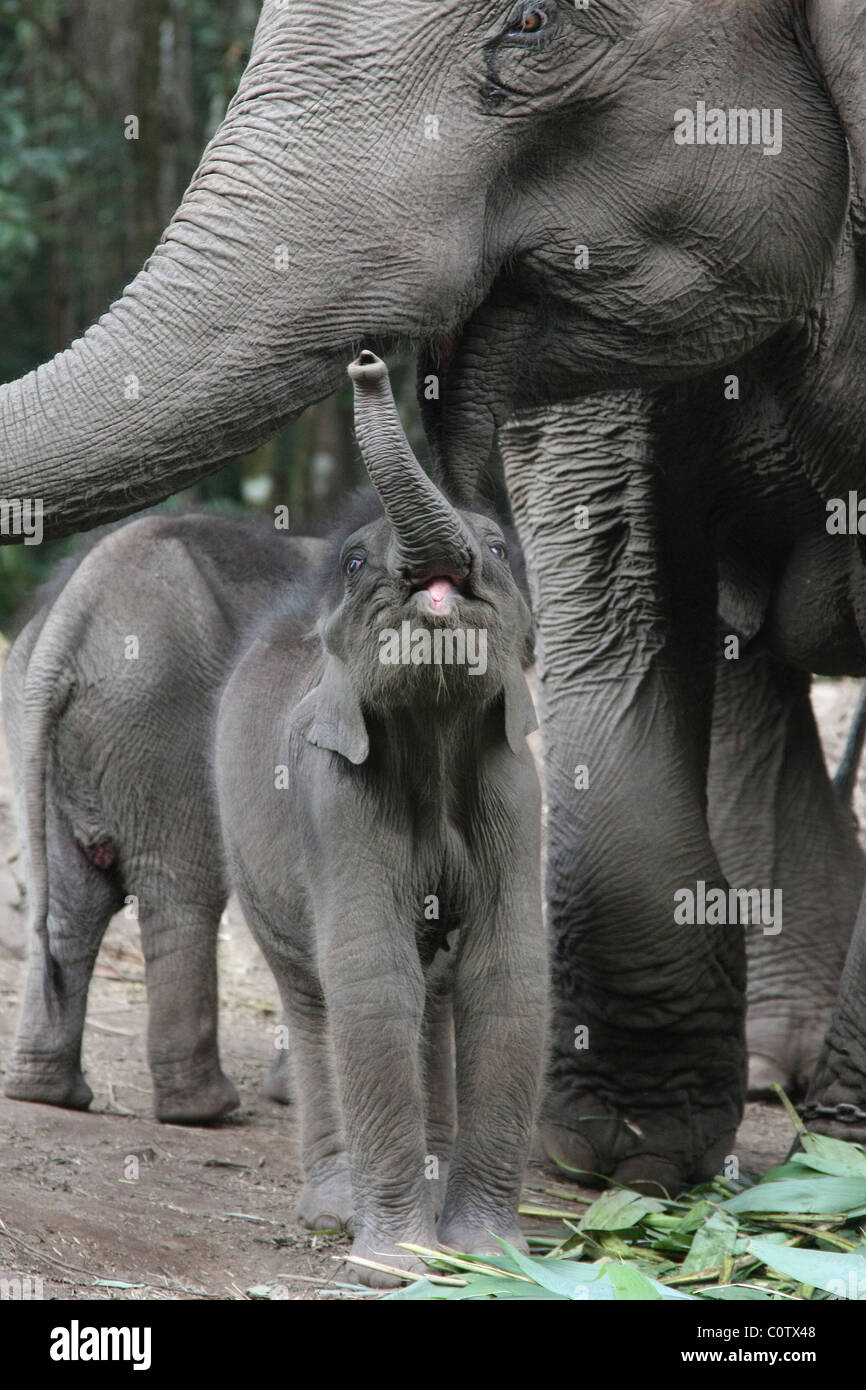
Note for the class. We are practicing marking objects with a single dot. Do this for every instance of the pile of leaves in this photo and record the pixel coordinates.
(799, 1232)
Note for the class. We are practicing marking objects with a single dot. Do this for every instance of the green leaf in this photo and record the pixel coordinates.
(843, 1275)
(630, 1284)
(713, 1243)
(694, 1218)
(835, 1156)
(785, 1170)
(559, 1276)
(619, 1210)
(817, 1196)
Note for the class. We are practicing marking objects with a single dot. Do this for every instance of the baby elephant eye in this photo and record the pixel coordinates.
(498, 550)
(353, 564)
(531, 21)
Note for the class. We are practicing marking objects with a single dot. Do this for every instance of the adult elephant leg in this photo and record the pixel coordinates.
(178, 937)
(648, 1068)
(777, 823)
(45, 1065)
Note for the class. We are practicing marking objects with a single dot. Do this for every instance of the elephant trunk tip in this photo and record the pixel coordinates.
(368, 369)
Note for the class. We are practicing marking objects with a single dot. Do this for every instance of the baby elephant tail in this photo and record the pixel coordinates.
(47, 688)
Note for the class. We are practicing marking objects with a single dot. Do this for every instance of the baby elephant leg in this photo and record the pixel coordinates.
(326, 1203)
(438, 1059)
(46, 1063)
(500, 1019)
(179, 943)
(374, 989)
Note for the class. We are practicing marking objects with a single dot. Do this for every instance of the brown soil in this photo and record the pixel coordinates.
(191, 1213)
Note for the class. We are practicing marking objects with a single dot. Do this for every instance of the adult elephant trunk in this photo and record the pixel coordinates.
(268, 275)
(429, 535)
(167, 386)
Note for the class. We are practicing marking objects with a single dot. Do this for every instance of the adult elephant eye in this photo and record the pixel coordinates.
(531, 20)
(353, 564)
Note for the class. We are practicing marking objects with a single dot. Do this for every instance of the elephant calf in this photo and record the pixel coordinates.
(109, 694)
(380, 812)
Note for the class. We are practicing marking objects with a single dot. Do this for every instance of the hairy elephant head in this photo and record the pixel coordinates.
(421, 610)
(547, 192)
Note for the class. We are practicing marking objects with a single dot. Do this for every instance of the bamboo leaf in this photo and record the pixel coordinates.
(842, 1275)
(619, 1210)
(817, 1196)
(713, 1242)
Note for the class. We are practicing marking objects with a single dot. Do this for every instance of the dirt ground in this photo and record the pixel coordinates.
(111, 1205)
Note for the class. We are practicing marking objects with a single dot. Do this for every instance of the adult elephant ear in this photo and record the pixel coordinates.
(838, 32)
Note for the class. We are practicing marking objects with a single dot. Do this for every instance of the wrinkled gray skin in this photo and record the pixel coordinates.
(555, 130)
(699, 767)
(399, 785)
(111, 766)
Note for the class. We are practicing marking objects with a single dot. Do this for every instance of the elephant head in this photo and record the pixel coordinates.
(501, 180)
(421, 612)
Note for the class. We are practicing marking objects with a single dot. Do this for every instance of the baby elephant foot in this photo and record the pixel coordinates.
(326, 1203)
(384, 1250)
(192, 1101)
(47, 1082)
(473, 1237)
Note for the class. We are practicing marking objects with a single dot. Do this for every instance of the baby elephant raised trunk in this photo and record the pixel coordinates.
(429, 535)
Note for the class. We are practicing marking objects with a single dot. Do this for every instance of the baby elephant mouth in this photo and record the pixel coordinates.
(441, 590)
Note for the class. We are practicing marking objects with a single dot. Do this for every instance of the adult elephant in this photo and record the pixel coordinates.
(511, 184)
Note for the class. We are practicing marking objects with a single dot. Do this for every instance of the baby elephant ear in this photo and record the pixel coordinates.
(838, 33)
(331, 717)
(520, 720)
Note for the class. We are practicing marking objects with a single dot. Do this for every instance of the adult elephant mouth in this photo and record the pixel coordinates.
(442, 350)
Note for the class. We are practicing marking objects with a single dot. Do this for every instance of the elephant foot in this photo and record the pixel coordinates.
(384, 1250)
(279, 1086)
(198, 1102)
(784, 1050)
(47, 1084)
(659, 1149)
(836, 1103)
(326, 1203)
(474, 1236)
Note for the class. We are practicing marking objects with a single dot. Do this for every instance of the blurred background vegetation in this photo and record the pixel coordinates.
(81, 208)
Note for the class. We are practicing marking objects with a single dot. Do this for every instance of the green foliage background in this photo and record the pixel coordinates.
(81, 207)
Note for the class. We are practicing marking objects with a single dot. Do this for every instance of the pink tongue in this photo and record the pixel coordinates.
(438, 589)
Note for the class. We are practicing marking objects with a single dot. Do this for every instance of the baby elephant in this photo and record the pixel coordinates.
(380, 811)
(109, 696)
